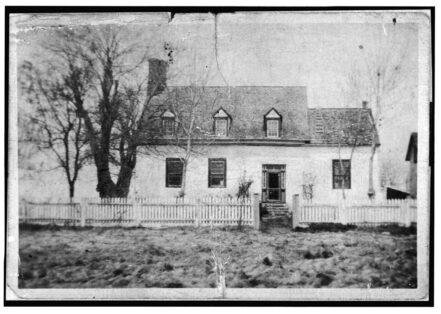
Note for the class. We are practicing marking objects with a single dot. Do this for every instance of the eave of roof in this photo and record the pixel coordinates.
(240, 141)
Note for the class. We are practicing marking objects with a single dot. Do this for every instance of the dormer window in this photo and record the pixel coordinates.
(272, 124)
(220, 126)
(222, 122)
(168, 123)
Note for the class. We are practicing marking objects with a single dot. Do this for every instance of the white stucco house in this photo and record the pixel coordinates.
(268, 135)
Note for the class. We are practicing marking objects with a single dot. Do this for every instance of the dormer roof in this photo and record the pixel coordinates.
(273, 114)
(221, 113)
(167, 114)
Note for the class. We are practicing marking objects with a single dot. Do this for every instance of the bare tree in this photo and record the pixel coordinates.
(382, 72)
(53, 123)
(308, 183)
(116, 108)
(189, 104)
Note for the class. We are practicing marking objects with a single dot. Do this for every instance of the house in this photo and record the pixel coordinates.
(267, 134)
(411, 157)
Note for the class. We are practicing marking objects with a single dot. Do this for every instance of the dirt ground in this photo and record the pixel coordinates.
(182, 257)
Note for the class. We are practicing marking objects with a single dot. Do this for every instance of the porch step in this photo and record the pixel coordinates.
(275, 210)
(269, 222)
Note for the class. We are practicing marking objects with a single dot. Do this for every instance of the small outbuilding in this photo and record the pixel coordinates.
(411, 157)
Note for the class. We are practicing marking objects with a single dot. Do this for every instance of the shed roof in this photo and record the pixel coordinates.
(347, 126)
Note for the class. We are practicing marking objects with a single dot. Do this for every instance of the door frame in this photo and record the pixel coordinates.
(274, 168)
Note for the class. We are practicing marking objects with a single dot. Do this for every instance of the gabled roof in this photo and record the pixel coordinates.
(247, 107)
(221, 113)
(168, 114)
(273, 114)
(347, 126)
(412, 149)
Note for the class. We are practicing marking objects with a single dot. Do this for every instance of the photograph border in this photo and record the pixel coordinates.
(217, 302)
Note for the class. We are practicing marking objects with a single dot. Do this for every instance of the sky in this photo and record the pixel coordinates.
(321, 52)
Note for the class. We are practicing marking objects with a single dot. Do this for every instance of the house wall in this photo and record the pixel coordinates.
(412, 179)
(150, 171)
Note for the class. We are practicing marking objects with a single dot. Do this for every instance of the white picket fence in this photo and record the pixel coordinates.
(211, 211)
(144, 211)
(402, 212)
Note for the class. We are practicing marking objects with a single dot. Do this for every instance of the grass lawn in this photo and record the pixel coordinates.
(182, 257)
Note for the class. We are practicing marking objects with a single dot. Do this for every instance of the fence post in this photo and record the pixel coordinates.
(196, 213)
(256, 211)
(405, 207)
(83, 206)
(295, 210)
(342, 212)
(137, 207)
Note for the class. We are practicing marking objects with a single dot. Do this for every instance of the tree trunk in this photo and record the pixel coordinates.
(184, 176)
(124, 179)
(371, 191)
(71, 191)
(105, 186)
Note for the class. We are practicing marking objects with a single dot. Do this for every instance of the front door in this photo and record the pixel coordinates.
(273, 183)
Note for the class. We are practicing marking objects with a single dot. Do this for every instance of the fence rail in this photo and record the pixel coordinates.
(402, 212)
(145, 212)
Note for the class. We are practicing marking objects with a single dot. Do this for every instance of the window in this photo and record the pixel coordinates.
(173, 172)
(220, 126)
(222, 122)
(272, 124)
(341, 174)
(217, 173)
(272, 128)
(168, 123)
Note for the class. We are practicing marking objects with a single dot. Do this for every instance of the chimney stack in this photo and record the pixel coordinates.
(364, 104)
(157, 80)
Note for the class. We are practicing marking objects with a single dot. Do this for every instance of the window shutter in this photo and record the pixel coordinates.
(264, 179)
(280, 127)
(264, 125)
(209, 171)
(282, 177)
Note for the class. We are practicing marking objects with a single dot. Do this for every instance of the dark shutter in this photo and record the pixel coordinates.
(264, 125)
(280, 127)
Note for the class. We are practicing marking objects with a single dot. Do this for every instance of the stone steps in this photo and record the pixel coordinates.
(276, 210)
(276, 222)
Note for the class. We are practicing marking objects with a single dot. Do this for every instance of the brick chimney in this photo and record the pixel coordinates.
(157, 80)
